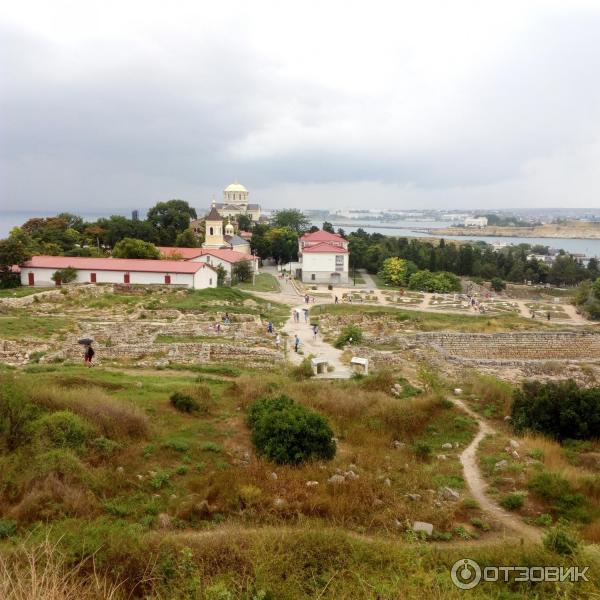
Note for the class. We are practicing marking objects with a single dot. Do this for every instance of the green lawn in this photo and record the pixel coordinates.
(26, 326)
(20, 292)
(264, 282)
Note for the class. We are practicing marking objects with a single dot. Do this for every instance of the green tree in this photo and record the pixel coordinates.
(260, 242)
(394, 271)
(241, 272)
(170, 218)
(186, 239)
(221, 275)
(327, 226)
(291, 218)
(66, 275)
(12, 252)
(283, 244)
(244, 223)
(497, 284)
(132, 248)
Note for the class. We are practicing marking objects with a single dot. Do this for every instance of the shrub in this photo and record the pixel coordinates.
(423, 450)
(8, 527)
(442, 282)
(562, 540)
(303, 371)
(544, 520)
(558, 491)
(184, 402)
(66, 275)
(351, 334)
(287, 432)
(512, 501)
(559, 409)
(498, 284)
(62, 429)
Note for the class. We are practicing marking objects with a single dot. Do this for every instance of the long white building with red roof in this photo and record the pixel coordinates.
(323, 257)
(38, 271)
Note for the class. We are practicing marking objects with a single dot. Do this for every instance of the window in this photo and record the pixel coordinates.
(210, 231)
(210, 281)
(313, 277)
(339, 263)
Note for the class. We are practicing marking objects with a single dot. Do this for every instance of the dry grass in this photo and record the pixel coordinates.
(111, 417)
(41, 573)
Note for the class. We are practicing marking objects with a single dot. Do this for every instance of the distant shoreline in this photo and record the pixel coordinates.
(585, 231)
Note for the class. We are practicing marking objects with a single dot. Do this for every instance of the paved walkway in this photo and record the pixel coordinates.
(316, 347)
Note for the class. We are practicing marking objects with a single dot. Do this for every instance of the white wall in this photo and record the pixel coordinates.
(322, 265)
(42, 277)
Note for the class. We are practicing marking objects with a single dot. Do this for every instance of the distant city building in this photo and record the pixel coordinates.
(476, 222)
(235, 202)
(135, 215)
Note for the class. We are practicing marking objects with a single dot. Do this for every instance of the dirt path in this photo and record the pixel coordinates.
(311, 345)
(477, 484)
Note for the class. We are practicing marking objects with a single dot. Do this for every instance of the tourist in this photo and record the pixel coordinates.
(218, 328)
(89, 354)
(336, 299)
(315, 332)
(306, 299)
(270, 327)
(277, 341)
(296, 343)
(548, 315)
(305, 311)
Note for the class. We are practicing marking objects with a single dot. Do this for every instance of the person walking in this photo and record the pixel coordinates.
(296, 343)
(315, 332)
(278, 341)
(270, 327)
(336, 299)
(88, 355)
(305, 311)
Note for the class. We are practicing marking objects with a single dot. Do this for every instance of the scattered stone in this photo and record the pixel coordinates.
(351, 475)
(447, 493)
(273, 476)
(456, 445)
(447, 446)
(164, 521)
(419, 526)
(414, 497)
(442, 457)
(514, 444)
(387, 482)
(140, 477)
(501, 465)
(312, 483)
(173, 497)
(337, 479)
(457, 391)
(515, 455)
(120, 470)
(507, 418)
(279, 503)
(377, 502)
(398, 445)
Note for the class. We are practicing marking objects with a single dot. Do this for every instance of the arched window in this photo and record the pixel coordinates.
(210, 231)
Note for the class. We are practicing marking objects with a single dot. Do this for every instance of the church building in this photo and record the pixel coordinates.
(235, 202)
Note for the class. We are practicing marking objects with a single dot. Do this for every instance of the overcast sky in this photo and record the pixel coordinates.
(116, 105)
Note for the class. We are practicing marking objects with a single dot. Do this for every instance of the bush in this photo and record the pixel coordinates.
(555, 489)
(561, 410)
(562, 540)
(303, 371)
(512, 501)
(441, 282)
(351, 334)
(8, 527)
(66, 275)
(289, 433)
(498, 284)
(62, 429)
(423, 450)
(184, 402)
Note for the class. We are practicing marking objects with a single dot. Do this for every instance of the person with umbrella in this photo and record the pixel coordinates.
(89, 351)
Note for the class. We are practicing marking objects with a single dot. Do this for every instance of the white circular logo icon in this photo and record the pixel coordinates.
(465, 574)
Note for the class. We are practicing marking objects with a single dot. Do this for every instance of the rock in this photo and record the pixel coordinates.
(447, 446)
(140, 477)
(419, 526)
(350, 475)
(514, 444)
(164, 521)
(334, 440)
(515, 455)
(120, 470)
(414, 497)
(447, 493)
(273, 476)
(337, 479)
(507, 418)
(312, 483)
(398, 445)
(377, 502)
(501, 465)
(139, 384)
(456, 445)
(173, 497)
(442, 457)
(387, 482)
(457, 391)
(352, 467)
(279, 503)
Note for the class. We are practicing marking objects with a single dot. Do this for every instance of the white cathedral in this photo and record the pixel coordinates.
(235, 202)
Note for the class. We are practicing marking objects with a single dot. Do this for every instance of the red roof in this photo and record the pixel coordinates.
(322, 236)
(114, 264)
(226, 254)
(325, 247)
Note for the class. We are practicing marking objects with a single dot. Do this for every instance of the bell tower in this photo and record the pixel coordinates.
(213, 230)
